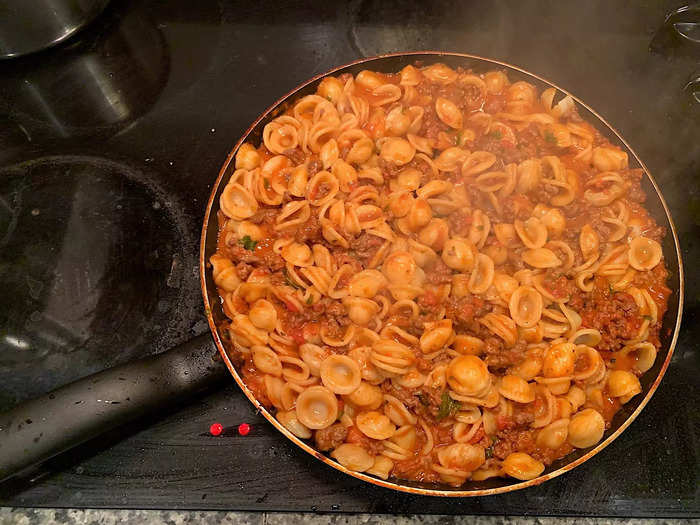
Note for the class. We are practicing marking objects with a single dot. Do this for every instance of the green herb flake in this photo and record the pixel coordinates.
(266, 183)
(289, 280)
(549, 137)
(310, 300)
(247, 243)
(647, 317)
(611, 290)
(496, 134)
(448, 406)
(490, 450)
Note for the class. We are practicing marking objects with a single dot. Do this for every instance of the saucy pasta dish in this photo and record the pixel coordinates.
(438, 275)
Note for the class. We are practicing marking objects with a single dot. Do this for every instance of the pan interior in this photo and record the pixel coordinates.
(655, 204)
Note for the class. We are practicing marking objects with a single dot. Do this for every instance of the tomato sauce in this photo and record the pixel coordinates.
(492, 123)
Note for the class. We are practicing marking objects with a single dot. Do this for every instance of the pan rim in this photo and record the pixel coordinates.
(391, 484)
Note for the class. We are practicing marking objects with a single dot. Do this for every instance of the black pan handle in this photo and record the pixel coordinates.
(39, 429)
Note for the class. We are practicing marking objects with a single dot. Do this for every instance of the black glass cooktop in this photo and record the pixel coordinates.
(109, 145)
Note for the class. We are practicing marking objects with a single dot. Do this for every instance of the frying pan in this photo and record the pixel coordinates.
(39, 429)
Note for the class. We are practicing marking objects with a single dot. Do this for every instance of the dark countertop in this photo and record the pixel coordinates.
(170, 517)
(109, 146)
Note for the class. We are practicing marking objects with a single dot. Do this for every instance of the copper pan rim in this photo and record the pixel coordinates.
(394, 485)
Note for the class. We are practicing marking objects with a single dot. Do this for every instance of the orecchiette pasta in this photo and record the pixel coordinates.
(522, 466)
(439, 274)
(586, 428)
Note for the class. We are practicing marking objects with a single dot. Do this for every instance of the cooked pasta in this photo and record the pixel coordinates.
(439, 275)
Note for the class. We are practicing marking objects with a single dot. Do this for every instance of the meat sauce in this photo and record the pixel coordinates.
(615, 314)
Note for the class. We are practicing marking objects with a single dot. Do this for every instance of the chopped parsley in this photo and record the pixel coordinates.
(549, 137)
(489, 451)
(310, 300)
(266, 183)
(611, 290)
(289, 280)
(647, 317)
(448, 406)
(496, 134)
(247, 243)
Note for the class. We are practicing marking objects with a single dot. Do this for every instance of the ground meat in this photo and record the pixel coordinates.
(295, 155)
(244, 270)
(343, 258)
(294, 322)
(495, 104)
(499, 356)
(389, 169)
(335, 309)
(423, 365)
(404, 395)
(334, 327)
(523, 415)
(429, 401)
(439, 273)
(614, 314)
(460, 222)
(464, 311)
(544, 192)
(504, 149)
(331, 437)
(315, 165)
(434, 396)
(336, 312)
(375, 447)
(516, 207)
(558, 285)
(418, 468)
(310, 231)
(636, 194)
(234, 251)
(432, 125)
(510, 441)
(634, 191)
(365, 246)
(372, 446)
(264, 216)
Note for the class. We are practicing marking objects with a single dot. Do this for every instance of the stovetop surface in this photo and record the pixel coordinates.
(109, 146)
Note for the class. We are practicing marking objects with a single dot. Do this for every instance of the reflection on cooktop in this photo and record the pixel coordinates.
(95, 260)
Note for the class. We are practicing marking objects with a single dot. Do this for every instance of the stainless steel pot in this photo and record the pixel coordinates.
(27, 26)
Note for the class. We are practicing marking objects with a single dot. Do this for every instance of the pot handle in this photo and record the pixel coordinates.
(41, 428)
